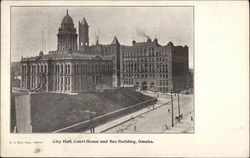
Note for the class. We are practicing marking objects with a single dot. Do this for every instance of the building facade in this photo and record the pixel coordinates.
(68, 69)
(65, 73)
(150, 66)
(81, 67)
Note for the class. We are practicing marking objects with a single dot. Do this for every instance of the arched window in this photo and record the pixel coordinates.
(152, 85)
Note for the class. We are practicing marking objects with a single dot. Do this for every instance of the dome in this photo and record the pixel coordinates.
(67, 19)
(41, 53)
(170, 44)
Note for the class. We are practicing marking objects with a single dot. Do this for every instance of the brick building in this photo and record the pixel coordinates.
(150, 66)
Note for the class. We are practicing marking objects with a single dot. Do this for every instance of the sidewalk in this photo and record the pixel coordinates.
(109, 125)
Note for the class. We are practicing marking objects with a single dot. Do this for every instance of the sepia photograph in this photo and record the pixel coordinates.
(124, 78)
(102, 70)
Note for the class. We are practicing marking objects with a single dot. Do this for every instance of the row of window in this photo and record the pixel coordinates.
(163, 89)
(149, 59)
(131, 75)
(130, 82)
(92, 68)
(60, 69)
(24, 79)
(36, 81)
(145, 52)
(145, 67)
(66, 69)
(163, 82)
(24, 69)
(81, 68)
(35, 69)
(61, 83)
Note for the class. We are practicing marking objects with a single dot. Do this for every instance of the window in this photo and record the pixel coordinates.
(42, 68)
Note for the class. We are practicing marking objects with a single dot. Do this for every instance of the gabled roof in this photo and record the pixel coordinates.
(115, 41)
(97, 57)
(84, 22)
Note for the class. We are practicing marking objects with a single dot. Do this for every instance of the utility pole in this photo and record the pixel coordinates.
(42, 41)
(22, 52)
(179, 111)
(91, 122)
(172, 108)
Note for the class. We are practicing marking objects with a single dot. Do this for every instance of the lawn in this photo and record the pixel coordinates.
(52, 111)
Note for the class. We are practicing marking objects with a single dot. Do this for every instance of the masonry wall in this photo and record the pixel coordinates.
(146, 66)
(65, 76)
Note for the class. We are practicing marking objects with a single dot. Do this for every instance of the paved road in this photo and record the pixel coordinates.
(117, 122)
(156, 120)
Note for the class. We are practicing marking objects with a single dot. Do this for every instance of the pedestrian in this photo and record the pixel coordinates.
(181, 116)
(166, 126)
(91, 129)
(168, 110)
(192, 118)
(134, 128)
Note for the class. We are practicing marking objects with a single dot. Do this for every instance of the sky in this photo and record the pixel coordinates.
(164, 23)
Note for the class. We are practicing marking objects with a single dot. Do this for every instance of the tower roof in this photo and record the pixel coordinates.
(67, 19)
(115, 41)
(84, 22)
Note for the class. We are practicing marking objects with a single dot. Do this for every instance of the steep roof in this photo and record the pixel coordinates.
(84, 22)
(115, 41)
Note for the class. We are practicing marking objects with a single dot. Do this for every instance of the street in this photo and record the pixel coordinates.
(158, 120)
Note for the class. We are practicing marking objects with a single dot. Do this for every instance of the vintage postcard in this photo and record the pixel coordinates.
(89, 76)
(86, 78)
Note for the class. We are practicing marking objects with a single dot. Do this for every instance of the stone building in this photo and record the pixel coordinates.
(68, 69)
(112, 50)
(79, 67)
(150, 66)
(65, 72)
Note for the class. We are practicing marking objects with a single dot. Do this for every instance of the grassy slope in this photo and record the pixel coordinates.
(55, 111)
